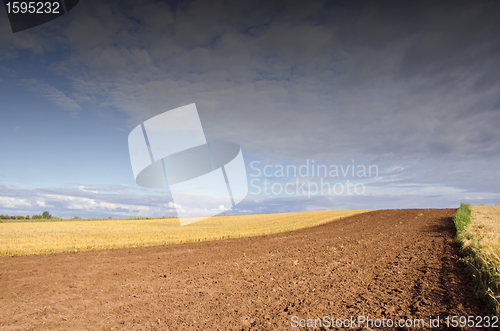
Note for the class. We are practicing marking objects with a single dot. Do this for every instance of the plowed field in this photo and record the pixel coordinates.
(387, 263)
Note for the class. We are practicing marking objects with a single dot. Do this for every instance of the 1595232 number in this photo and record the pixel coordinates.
(471, 321)
(32, 7)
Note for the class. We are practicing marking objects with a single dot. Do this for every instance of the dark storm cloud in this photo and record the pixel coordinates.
(305, 78)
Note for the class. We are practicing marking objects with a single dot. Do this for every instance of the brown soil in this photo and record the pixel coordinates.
(390, 263)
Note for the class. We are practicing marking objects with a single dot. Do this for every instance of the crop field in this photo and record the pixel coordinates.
(26, 238)
(480, 241)
(397, 265)
(485, 227)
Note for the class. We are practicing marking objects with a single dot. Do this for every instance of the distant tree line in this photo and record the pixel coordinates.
(7, 217)
(44, 215)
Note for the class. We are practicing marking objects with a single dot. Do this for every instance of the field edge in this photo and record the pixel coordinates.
(483, 271)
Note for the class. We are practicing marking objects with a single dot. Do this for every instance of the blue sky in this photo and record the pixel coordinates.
(409, 87)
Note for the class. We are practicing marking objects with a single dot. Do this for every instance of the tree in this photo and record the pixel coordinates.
(46, 215)
(27, 217)
(20, 217)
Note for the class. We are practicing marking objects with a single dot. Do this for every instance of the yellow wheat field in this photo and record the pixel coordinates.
(485, 229)
(28, 238)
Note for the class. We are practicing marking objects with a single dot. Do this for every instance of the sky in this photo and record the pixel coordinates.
(408, 88)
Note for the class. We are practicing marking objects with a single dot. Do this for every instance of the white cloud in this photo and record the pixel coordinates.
(114, 201)
(8, 202)
(174, 205)
(41, 203)
(91, 205)
(82, 188)
(222, 208)
(395, 169)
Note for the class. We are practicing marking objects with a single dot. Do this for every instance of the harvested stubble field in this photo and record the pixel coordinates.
(386, 263)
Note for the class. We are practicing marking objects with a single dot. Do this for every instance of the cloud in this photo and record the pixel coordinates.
(412, 87)
(41, 203)
(66, 202)
(52, 94)
(97, 206)
(82, 188)
(300, 81)
(222, 208)
(292, 79)
(10, 202)
(174, 205)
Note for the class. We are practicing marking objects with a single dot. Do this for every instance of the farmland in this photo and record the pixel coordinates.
(382, 264)
(26, 238)
(485, 226)
(480, 243)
